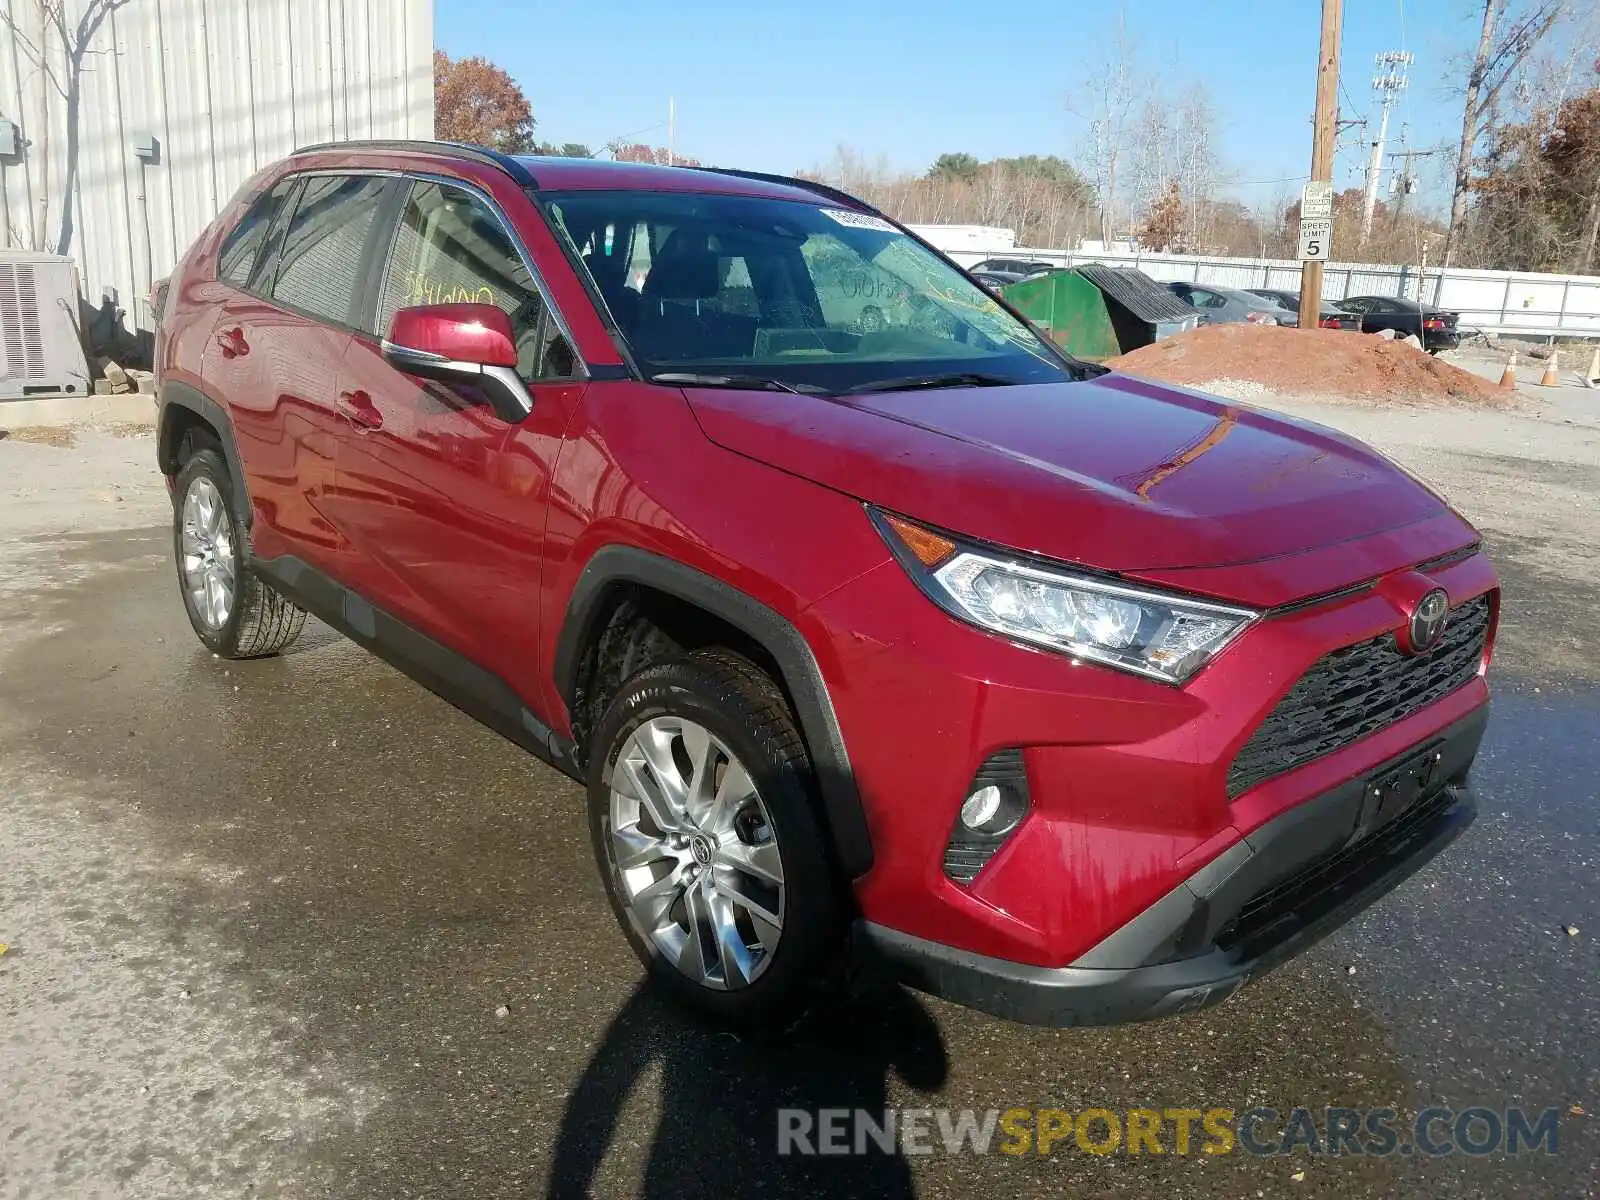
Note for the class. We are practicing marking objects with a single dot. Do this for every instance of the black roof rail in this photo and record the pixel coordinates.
(806, 185)
(520, 175)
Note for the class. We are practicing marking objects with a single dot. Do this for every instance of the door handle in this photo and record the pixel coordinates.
(357, 408)
(233, 343)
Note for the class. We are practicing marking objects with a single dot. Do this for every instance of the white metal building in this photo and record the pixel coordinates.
(179, 101)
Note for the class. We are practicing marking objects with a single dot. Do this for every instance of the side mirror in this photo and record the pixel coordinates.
(461, 343)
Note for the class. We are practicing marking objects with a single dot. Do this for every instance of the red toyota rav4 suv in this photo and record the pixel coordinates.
(868, 619)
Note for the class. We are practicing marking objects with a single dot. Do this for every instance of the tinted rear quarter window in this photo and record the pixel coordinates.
(241, 249)
(327, 248)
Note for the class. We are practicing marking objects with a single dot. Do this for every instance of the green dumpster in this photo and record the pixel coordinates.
(1070, 309)
(1093, 311)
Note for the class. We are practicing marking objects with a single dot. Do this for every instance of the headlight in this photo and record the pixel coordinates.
(1149, 633)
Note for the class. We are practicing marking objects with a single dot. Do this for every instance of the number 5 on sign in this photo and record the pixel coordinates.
(1315, 234)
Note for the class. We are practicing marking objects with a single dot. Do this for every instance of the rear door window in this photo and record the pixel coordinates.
(329, 247)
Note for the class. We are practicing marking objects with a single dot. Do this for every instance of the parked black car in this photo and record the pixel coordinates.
(1434, 327)
(995, 280)
(1329, 316)
(1013, 266)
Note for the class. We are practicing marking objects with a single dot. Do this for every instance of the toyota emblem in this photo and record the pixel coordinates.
(1428, 621)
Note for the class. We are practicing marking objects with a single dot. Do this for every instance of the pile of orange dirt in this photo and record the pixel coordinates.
(1246, 361)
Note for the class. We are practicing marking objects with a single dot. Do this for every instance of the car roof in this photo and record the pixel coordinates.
(552, 174)
(1236, 293)
(595, 174)
(1400, 300)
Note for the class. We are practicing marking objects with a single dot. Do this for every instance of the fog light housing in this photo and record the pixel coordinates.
(996, 802)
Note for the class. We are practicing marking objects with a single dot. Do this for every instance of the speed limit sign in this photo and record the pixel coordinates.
(1315, 234)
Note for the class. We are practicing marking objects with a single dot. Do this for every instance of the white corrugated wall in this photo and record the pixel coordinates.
(225, 87)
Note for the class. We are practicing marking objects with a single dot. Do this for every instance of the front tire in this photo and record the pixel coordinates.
(232, 612)
(703, 823)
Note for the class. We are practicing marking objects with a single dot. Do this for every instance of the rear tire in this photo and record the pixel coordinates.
(704, 825)
(232, 612)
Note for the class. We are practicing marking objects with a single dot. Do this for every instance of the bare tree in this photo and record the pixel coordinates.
(1138, 160)
(1195, 157)
(1106, 101)
(1500, 53)
(66, 81)
(1150, 165)
(1042, 199)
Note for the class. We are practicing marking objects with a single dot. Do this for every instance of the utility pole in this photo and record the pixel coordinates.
(1324, 123)
(1389, 82)
(672, 131)
(1402, 181)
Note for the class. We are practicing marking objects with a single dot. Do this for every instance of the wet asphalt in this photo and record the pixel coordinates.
(383, 874)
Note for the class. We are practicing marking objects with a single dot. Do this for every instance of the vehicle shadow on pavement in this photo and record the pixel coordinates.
(717, 1115)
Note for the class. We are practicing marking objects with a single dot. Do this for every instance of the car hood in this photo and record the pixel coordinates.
(1116, 473)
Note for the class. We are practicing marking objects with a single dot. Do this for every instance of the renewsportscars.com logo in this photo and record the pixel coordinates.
(1433, 1132)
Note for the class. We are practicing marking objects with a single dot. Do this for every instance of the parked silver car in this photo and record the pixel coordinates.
(1220, 305)
(1331, 316)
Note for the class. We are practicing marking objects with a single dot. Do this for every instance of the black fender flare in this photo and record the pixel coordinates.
(171, 396)
(819, 725)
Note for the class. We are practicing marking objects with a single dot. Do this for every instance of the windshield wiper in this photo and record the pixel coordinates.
(909, 383)
(755, 383)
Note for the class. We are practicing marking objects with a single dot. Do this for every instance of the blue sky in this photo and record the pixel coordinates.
(778, 86)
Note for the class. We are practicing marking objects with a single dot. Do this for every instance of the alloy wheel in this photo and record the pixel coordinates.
(206, 537)
(695, 854)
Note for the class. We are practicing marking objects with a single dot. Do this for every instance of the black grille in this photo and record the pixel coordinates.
(1357, 691)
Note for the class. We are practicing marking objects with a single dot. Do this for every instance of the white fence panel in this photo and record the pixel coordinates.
(1493, 301)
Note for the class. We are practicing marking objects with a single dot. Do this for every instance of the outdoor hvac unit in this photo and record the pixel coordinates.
(40, 354)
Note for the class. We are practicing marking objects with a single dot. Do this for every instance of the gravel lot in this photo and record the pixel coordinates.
(260, 917)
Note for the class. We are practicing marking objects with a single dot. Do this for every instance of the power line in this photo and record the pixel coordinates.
(1405, 97)
(1343, 91)
(1266, 182)
(622, 137)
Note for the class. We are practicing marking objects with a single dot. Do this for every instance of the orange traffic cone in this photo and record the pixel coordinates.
(1551, 376)
(1508, 378)
(1591, 377)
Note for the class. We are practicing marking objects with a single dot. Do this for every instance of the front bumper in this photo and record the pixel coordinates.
(1129, 778)
(1271, 895)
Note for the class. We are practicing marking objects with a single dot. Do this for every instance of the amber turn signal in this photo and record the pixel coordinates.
(930, 548)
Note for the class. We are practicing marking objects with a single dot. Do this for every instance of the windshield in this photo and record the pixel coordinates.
(808, 295)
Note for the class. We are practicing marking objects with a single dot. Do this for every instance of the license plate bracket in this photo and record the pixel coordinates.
(1394, 790)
